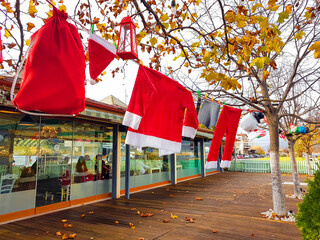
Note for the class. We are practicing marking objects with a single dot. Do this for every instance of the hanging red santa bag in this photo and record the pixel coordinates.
(54, 74)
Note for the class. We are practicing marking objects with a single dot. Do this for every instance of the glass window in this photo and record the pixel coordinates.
(91, 160)
(54, 162)
(207, 144)
(146, 167)
(19, 144)
(188, 161)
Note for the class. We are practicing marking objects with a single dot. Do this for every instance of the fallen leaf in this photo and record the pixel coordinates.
(138, 212)
(252, 234)
(83, 215)
(198, 198)
(72, 236)
(132, 209)
(116, 222)
(64, 220)
(189, 219)
(91, 212)
(131, 224)
(173, 216)
(58, 234)
(64, 236)
(65, 225)
(214, 231)
(141, 238)
(69, 225)
(172, 196)
(146, 215)
(164, 203)
(166, 221)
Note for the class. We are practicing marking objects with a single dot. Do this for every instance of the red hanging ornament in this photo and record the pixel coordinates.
(127, 43)
(1, 57)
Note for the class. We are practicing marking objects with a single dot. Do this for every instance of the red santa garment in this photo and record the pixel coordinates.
(227, 125)
(156, 113)
(101, 54)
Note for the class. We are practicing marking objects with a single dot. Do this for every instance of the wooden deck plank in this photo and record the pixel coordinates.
(232, 204)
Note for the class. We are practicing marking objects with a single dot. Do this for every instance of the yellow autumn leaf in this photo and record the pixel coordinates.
(7, 6)
(186, 64)
(195, 44)
(63, 8)
(173, 25)
(289, 8)
(103, 73)
(28, 42)
(254, 8)
(164, 17)
(49, 14)
(30, 26)
(166, 25)
(173, 216)
(157, 28)
(7, 33)
(316, 48)
(32, 9)
(153, 41)
(206, 57)
(299, 35)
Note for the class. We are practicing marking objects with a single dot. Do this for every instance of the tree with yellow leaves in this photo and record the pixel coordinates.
(306, 142)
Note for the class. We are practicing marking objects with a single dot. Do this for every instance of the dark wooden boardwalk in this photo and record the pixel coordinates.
(231, 205)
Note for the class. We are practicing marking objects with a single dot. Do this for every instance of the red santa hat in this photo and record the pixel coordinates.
(101, 54)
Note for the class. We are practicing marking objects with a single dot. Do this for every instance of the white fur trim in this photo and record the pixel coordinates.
(212, 164)
(103, 42)
(189, 132)
(131, 120)
(165, 146)
(225, 164)
(92, 81)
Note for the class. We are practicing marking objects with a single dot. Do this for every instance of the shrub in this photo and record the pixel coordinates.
(308, 217)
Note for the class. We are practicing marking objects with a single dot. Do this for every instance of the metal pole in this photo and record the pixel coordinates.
(127, 174)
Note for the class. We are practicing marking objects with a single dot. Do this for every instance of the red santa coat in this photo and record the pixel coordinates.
(160, 112)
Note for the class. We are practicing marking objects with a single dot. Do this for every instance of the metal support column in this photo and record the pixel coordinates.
(202, 158)
(115, 166)
(173, 164)
(127, 174)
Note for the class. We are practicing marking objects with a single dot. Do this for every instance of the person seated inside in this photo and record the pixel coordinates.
(142, 166)
(81, 170)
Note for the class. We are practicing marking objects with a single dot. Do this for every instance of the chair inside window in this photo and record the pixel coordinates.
(7, 183)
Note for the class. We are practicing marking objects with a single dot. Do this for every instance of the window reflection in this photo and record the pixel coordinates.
(188, 161)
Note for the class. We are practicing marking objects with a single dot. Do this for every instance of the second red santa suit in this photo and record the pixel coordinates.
(227, 125)
(160, 112)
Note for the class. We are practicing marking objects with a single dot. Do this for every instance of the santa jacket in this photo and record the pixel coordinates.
(159, 113)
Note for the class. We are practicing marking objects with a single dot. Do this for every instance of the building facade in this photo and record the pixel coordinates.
(49, 163)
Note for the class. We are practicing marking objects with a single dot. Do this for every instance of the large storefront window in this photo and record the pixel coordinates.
(54, 162)
(188, 161)
(146, 167)
(91, 160)
(18, 152)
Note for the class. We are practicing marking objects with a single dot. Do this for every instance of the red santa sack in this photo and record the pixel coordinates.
(53, 79)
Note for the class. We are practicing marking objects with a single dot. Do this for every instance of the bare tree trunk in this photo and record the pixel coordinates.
(310, 173)
(277, 192)
(295, 175)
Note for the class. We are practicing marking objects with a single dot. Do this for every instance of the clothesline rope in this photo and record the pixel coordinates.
(218, 101)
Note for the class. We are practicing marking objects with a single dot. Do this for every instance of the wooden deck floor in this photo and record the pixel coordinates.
(231, 205)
